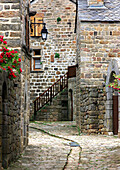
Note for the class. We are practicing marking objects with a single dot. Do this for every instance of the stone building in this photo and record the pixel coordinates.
(46, 67)
(14, 94)
(98, 52)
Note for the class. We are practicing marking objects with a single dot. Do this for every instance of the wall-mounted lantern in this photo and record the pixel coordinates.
(44, 33)
(38, 29)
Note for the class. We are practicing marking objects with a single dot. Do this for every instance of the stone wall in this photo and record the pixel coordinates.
(14, 110)
(10, 129)
(97, 43)
(92, 109)
(61, 39)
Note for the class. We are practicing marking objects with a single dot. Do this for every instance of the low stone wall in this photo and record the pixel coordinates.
(92, 109)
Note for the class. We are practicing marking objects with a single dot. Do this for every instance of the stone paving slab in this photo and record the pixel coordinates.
(48, 152)
(43, 152)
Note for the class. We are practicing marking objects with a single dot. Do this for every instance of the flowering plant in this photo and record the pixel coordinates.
(114, 85)
(9, 60)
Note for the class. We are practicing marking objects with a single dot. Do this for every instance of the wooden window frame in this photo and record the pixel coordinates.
(36, 58)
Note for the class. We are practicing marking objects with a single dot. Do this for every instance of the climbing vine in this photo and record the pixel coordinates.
(9, 60)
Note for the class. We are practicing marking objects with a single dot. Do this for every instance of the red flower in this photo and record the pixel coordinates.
(4, 42)
(19, 59)
(2, 54)
(9, 68)
(14, 76)
(1, 60)
(1, 40)
(20, 70)
(2, 68)
(12, 51)
(15, 62)
(5, 49)
(6, 60)
(13, 66)
(9, 77)
(1, 36)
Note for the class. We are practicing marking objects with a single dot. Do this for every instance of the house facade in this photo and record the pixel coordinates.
(14, 94)
(51, 58)
(98, 52)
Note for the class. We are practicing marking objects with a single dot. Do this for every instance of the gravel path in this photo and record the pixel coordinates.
(46, 152)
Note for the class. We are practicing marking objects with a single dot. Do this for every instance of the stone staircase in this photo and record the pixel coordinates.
(57, 110)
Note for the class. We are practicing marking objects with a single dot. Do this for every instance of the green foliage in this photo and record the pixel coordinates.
(9, 60)
(79, 131)
(115, 84)
(32, 118)
(57, 55)
(58, 19)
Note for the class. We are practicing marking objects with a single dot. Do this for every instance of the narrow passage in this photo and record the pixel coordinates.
(49, 149)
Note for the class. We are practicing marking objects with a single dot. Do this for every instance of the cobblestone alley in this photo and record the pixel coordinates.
(52, 147)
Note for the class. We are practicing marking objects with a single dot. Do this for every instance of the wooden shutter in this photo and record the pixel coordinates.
(39, 26)
(27, 32)
(32, 30)
(36, 28)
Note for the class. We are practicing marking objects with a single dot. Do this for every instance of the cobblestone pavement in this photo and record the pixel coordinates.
(50, 152)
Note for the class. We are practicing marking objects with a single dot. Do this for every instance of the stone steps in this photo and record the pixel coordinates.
(57, 110)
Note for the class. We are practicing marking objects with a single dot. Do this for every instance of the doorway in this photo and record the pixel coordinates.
(71, 104)
(115, 115)
(4, 126)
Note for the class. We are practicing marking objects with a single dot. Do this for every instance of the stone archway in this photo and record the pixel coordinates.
(114, 67)
(3, 111)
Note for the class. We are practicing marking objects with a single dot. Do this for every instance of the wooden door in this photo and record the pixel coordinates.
(115, 115)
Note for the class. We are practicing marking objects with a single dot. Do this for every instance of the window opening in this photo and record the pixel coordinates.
(37, 52)
(37, 63)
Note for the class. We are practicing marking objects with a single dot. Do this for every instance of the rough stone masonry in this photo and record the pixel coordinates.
(14, 95)
(61, 39)
(98, 41)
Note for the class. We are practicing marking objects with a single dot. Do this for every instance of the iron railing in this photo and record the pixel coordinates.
(50, 93)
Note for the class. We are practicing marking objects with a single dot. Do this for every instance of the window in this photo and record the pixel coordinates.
(96, 3)
(36, 26)
(37, 52)
(37, 64)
